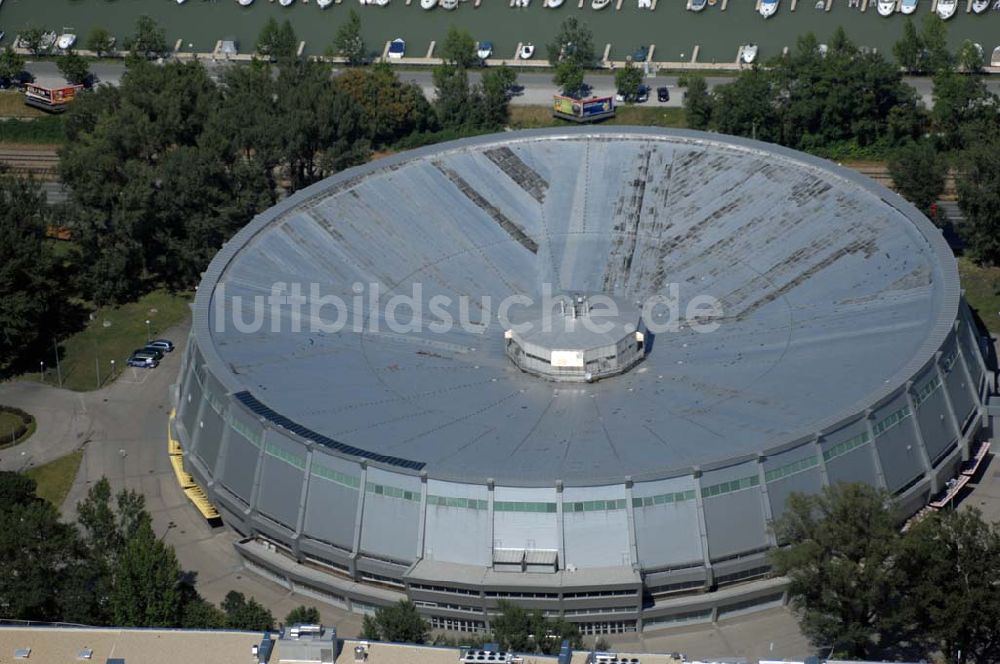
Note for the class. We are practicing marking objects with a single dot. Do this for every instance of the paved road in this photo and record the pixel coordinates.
(538, 88)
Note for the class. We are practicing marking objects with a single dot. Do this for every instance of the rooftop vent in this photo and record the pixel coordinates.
(86, 653)
(22, 653)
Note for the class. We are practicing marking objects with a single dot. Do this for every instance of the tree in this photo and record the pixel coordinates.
(569, 78)
(146, 581)
(493, 94)
(934, 36)
(100, 41)
(963, 108)
(349, 42)
(399, 623)
(303, 615)
(452, 96)
(628, 80)
(979, 197)
(16, 489)
(391, 109)
(521, 630)
(74, 68)
(246, 614)
(573, 42)
(746, 107)
(11, 63)
(697, 101)
(909, 49)
(838, 553)
(970, 57)
(30, 291)
(918, 173)
(459, 49)
(951, 561)
(32, 38)
(277, 41)
(149, 40)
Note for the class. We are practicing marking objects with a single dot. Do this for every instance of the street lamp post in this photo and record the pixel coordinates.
(41, 370)
(112, 369)
(147, 331)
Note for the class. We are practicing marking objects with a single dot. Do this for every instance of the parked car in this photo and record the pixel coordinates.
(643, 95)
(663, 93)
(156, 353)
(143, 361)
(163, 345)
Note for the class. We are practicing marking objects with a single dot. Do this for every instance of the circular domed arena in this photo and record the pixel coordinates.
(581, 369)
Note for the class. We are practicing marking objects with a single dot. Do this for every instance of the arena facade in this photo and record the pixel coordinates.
(626, 479)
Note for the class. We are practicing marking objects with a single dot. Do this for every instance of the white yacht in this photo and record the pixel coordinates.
(527, 51)
(908, 6)
(65, 41)
(599, 4)
(485, 50)
(428, 4)
(397, 48)
(946, 8)
(748, 53)
(768, 8)
(697, 5)
(979, 6)
(886, 7)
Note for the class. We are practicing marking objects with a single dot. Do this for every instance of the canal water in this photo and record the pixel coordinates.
(674, 30)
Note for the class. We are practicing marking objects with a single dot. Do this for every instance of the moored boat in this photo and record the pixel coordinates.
(768, 8)
(946, 9)
(323, 4)
(979, 6)
(285, 3)
(428, 4)
(697, 5)
(397, 48)
(599, 4)
(449, 4)
(527, 51)
(748, 53)
(484, 50)
(65, 41)
(908, 6)
(244, 3)
(886, 7)
(995, 58)
(552, 4)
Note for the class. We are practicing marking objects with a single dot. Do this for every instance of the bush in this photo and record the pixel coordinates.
(11, 436)
(40, 130)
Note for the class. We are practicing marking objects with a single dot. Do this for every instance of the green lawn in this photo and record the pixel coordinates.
(12, 106)
(982, 291)
(113, 333)
(55, 478)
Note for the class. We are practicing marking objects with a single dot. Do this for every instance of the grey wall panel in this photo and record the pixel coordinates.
(281, 479)
(241, 466)
(190, 403)
(458, 523)
(807, 481)
(187, 380)
(735, 523)
(956, 382)
(522, 522)
(595, 526)
(332, 505)
(932, 414)
(734, 513)
(391, 515)
(209, 437)
(896, 442)
(847, 453)
(970, 347)
(666, 523)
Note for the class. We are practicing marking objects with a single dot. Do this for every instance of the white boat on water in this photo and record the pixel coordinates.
(599, 4)
(645, 4)
(748, 53)
(527, 51)
(697, 5)
(768, 8)
(48, 40)
(946, 8)
(381, 3)
(995, 58)
(323, 4)
(244, 3)
(397, 48)
(886, 7)
(285, 3)
(428, 4)
(485, 50)
(449, 4)
(523, 4)
(979, 6)
(66, 41)
(181, 2)
(908, 6)
(552, 4)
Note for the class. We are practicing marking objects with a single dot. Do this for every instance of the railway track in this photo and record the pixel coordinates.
(41, 164)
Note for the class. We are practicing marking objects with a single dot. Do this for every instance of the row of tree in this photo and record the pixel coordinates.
(865, 590)
(514, 628)
(111, 569)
